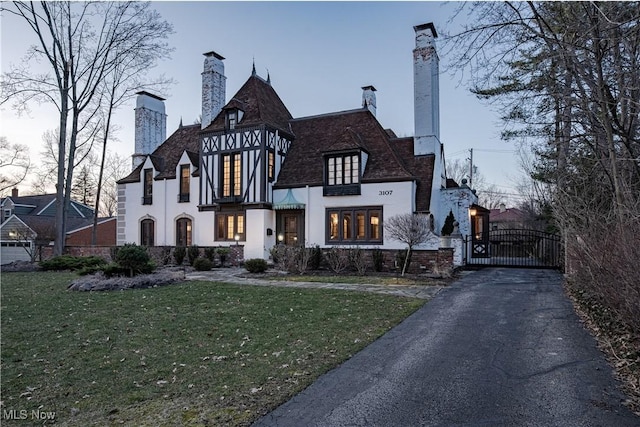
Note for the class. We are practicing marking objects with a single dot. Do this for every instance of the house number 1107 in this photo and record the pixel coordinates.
(385, 192)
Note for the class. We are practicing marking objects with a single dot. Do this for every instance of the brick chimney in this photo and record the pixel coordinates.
(151, 125)
(14, 192)
(369, 98)
(213, 87)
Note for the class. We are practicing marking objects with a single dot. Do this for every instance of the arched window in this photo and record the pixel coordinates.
(183, 232)
(147, 231)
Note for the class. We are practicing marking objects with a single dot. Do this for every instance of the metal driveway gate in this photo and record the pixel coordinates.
(515, 248)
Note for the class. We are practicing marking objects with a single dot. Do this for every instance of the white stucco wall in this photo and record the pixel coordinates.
(394, 198)
(458, 201)
(164, 210)
(258, 243)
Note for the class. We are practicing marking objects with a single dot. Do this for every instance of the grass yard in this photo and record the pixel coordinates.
(197, 353)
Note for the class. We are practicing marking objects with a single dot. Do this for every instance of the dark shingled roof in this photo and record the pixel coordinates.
(166, 157)
(261, 105)
(346, 130)
(420, 166)
(36, 204)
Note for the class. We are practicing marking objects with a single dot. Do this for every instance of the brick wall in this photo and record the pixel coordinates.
(106, 235)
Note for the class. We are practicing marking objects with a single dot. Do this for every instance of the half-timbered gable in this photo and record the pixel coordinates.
(244, 148)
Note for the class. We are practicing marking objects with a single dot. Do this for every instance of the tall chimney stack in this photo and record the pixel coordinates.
(369, 98)
(426, 91)
(213, 87)
(150, 127)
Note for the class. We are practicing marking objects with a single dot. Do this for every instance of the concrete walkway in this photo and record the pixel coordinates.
(238, 276)
(500, 347)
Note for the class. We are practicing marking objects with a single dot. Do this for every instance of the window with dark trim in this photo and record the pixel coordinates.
(271, 165)
(343, 169)
(231, 175)
(185, 180)
(183, 232)
(354, 225)
(229, 225)
(342, 174)
(233, 117)
(147, 195)
(147, 229)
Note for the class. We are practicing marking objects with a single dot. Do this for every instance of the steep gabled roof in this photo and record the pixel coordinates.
(260, 103)
(166, 157)
(353, 129)
(420, 166)
(44, 205)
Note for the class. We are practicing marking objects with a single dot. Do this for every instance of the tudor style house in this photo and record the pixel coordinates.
(251, 174)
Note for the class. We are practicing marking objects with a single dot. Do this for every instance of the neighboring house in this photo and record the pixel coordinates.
(252, 174)
(509, 218)
(28, 222)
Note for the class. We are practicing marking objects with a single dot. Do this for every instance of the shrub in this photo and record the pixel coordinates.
(202, 264)
(210, 254)
(165, 255)
(114, 269)
(135, 259)
(193, 252)
(316, 258)
(378, 259)
(113, 251)
(338, 259)
(301, 257)
(255, 265)
(448, 226)
(223, 253)
(73, 263)
(358, 260)
(179, 253)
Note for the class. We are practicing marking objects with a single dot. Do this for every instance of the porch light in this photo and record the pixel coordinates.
(473, 212)
(12, 233)
(280, 237)
(237, 238)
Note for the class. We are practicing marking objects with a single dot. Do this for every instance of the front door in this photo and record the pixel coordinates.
(290, 227)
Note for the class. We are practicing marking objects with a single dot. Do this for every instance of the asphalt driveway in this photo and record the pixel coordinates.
(500, 347)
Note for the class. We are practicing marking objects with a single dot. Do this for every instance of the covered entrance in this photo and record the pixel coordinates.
(290, 220)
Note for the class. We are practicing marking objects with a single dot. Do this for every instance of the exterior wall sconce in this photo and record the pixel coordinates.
(473, 212)
(269, 232)
(280, 237)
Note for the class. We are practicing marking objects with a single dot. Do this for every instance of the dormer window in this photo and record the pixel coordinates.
(342, 174)
(234, 116)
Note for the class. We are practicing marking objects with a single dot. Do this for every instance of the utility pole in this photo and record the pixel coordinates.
(471, 168)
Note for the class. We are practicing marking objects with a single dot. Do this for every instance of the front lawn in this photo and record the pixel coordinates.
(197, 353)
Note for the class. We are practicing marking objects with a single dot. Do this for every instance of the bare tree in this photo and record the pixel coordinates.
(115, 168)
(83, 43)
(410, 229)
(14, 164)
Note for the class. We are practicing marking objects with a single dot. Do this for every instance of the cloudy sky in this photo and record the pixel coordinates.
(318, 55)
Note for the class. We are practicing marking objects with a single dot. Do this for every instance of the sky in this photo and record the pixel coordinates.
(318, 56)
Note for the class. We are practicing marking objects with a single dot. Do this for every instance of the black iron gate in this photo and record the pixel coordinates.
(515, 248)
